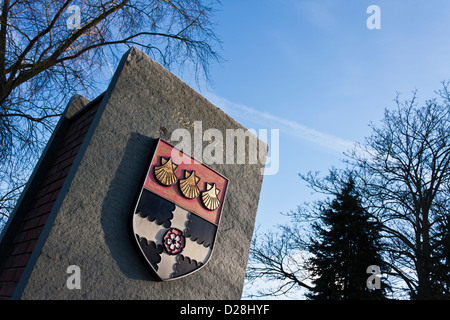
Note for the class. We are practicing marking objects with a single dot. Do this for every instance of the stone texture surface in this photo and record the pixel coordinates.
(91, 226)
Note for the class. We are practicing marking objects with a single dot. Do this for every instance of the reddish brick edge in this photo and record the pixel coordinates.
(20, 249)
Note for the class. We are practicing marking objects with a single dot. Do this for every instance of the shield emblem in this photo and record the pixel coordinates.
(177, 214)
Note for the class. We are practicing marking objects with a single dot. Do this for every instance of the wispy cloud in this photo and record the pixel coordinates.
(286, 126)
(320, 14)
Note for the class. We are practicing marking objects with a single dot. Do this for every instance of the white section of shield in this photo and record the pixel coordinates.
(154, 232)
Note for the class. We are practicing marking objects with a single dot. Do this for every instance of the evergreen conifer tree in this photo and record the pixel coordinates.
(345, 243)
(441, 263)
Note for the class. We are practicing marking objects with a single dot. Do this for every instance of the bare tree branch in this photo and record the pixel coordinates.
(403, 173)
(43, 63)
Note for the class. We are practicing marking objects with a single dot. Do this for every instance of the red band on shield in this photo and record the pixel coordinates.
(189, 183)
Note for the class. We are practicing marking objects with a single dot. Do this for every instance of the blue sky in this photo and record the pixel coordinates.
(313, 69)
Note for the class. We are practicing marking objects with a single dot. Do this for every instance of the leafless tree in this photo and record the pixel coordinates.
(276, 264)
(46, 55)
(403, 172)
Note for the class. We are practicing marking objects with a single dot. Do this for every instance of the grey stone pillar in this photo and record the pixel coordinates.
(88, 223)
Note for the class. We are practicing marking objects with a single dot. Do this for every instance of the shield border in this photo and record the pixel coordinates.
(141, 254)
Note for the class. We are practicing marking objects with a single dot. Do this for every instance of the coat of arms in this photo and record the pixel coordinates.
(178, 212)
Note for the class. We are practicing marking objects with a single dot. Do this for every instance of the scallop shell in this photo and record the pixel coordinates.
(209, 197)
(165, 174)
(188, 186)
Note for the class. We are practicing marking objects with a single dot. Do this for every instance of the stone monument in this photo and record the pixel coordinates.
(72, 235)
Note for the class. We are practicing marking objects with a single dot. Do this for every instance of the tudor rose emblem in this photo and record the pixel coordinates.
(177, 214)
